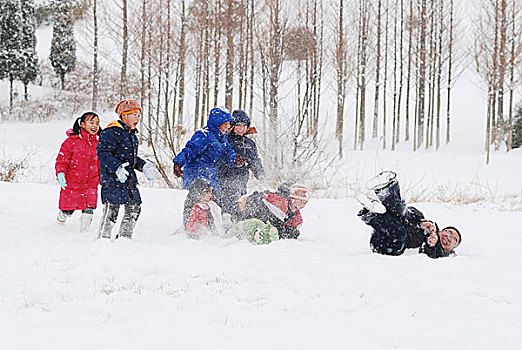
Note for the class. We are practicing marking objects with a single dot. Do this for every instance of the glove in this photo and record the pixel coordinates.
(61, 180)
(240, 161)
(121, 173)
(150, 171)
(429, 227)
(178, 172)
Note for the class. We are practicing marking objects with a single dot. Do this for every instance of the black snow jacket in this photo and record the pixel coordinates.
(232, 177)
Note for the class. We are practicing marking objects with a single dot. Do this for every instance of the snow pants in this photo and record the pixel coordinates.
(389, 236)
(110, 215)
(227, 199)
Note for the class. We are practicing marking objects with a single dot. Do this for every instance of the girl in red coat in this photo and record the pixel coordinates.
(78, 170)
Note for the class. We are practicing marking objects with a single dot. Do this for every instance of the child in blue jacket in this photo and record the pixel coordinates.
(201, 155)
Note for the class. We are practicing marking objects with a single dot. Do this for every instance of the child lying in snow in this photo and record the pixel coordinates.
(397, 226)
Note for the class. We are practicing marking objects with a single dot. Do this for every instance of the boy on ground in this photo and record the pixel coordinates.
(397, 227)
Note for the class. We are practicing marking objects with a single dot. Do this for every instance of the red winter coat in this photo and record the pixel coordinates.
(78, 160)
(198, 222)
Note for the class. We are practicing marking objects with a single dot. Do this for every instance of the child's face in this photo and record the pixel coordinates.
(297, 204)
(91, 124)
(206, 196)
(224, 127)
(240, 129)
(131, 119)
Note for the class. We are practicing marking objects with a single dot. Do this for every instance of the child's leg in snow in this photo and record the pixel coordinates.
(390, 197)
(227, 199)
(109, 217)
(130, 217)
(63, 215)
(389, 236)
(191, 199)
(86, 219)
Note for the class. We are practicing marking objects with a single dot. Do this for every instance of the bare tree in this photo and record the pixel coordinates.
(342, 77)
(125, 36)
(95, 56)
(377, 70)
(385, 78)
(421, 73)
(182, 52)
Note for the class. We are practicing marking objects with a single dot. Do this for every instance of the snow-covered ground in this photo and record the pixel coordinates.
(62, 289)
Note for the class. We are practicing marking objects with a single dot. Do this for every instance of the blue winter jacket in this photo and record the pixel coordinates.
(204, 151)
(237, 178)
(119, 144)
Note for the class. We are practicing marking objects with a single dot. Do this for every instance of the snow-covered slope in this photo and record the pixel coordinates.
(61, 289)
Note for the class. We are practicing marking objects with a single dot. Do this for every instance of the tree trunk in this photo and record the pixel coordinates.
(422, 75)
(377, 71)
(217, 52)
(408, 79)
(123, 87)
(450, 61)
(229, 67)
(182, 50)
(385, 81)
(95, 57)
(341, 82)
(143, 87)
(512, 76)
(252, 63)
(401, 74)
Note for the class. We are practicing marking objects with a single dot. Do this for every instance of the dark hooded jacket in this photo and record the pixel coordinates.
(119, 144)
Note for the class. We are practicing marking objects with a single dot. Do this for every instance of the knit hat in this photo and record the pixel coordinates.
(127, 107)
(240, 117)
(299, 192)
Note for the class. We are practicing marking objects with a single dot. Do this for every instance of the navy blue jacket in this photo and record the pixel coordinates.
(238, 177)
(119, 144)
(204, 151)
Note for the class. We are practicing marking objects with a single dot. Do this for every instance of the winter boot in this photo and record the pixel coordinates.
(109, 217)
(381, 180)
(387, 189)
(62, 217)
(85, 222)
(372, 203)
(130, 217)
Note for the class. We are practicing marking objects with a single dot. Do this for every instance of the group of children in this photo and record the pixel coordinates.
(215, 165)
(216, 161)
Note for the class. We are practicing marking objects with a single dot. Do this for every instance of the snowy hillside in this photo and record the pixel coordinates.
(63, 290)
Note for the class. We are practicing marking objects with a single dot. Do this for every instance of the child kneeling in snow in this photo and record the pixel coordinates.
(205, 215)
(397, 226)
(78, 170)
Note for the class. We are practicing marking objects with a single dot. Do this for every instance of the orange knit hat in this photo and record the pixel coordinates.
(127, 107)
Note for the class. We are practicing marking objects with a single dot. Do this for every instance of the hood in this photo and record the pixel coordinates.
(218, 116)
(240, 117)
